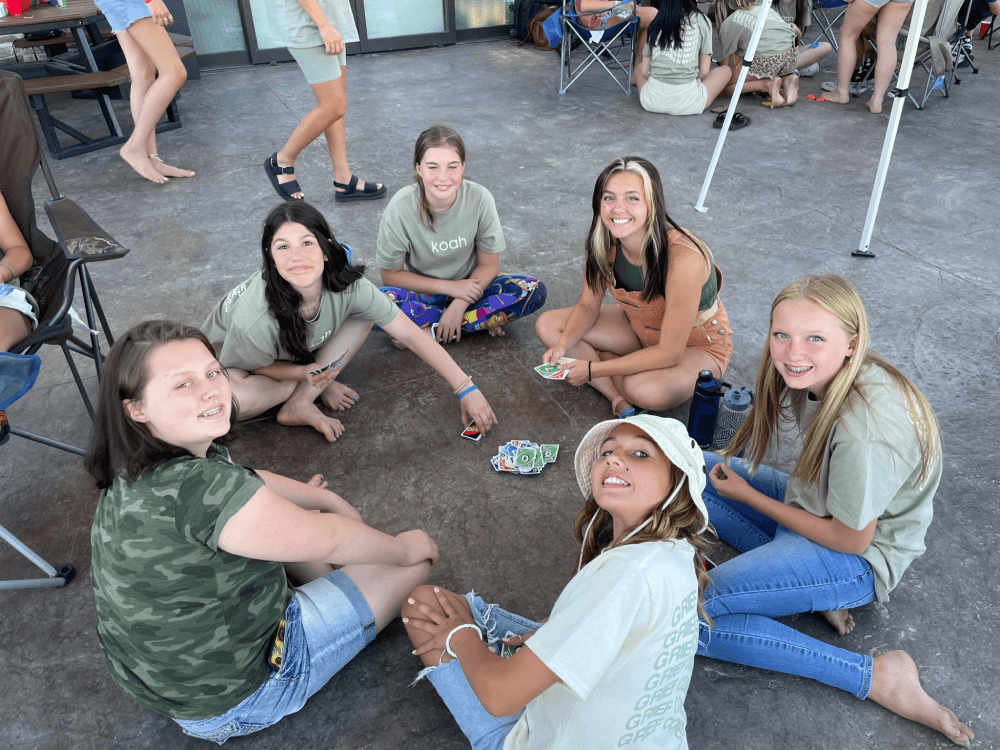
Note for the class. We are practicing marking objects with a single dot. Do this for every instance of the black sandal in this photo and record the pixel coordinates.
(285, 189)
(350, 192)
(740, 120)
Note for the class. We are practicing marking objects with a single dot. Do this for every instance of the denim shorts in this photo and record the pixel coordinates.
(327, 623)
(122, 13)
(483, 730)
(316, 65)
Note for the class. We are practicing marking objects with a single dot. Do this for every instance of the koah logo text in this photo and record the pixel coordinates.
(446, 245)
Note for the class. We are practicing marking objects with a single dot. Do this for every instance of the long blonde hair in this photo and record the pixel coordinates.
(835, 295)
(680, 520)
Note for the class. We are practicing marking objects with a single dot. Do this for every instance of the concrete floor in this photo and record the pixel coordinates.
(789, 198)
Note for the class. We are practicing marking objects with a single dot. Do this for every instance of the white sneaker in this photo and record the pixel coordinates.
(809, 70)
(852, 88)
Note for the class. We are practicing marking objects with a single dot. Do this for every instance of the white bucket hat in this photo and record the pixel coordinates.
(671, 437)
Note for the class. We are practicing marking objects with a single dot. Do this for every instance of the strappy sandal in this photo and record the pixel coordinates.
(350, 192)
(286, 190)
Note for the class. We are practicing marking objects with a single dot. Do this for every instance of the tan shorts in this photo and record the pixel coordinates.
(714, 337)
(674, 99)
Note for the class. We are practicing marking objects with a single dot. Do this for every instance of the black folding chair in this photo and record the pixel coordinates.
(60, 265)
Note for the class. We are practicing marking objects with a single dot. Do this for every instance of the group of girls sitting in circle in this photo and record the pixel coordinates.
(675, 74)
(226, 596)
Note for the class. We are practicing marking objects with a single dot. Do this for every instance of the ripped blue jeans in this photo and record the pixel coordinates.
(484, 731)
(779, 573)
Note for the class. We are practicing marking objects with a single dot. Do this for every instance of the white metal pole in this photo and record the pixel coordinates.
(900, 94)
(758, 27)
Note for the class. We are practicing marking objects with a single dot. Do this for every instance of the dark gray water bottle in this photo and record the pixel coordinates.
(734, 409)
(704, 408)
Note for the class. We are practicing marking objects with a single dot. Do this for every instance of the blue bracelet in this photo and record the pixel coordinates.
(467, 391)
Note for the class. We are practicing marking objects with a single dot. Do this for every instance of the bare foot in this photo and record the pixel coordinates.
(296, 413)
(141, 163)
(283, 178)
(837, 97)
(166, 170)
(399, 344)
(896, 685)
(840, 620)
(790, 88)
(774, 89)
(621, 406)
(318, 481)
(496, 331)
(875, 107)
(339, 397)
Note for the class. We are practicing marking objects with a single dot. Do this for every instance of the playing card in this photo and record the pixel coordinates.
(330, 365)
(434, 332)
(549, 452)
(472, 432)
(553, 371)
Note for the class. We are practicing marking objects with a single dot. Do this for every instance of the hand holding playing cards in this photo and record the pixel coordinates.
(728, 483)
(577, 371)
(322, 379)
(419, 547)
(476, 407)
(450, 325)
(554, 354)
(467, 290)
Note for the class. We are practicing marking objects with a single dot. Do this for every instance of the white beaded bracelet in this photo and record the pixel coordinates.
(447, 641)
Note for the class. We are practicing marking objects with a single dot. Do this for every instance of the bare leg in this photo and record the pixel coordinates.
(336, 140)
(896, 686)
(146, 44)
(716, 80)
(257, 393)
(750, 84)
(810, 55)
(840, 620)
(774, 89)
(855, 19)
(890, 21)
(790, 89)
(385, 587)
(659, 390)
(350, 337)
(14, 327)
(331, 101)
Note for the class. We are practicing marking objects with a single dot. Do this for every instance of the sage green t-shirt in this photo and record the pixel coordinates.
(776, 36)
(676, 66)
(289, 23)
(788, 9)
(246, 336)
(448, 252)
(870, 470)
(184, 626)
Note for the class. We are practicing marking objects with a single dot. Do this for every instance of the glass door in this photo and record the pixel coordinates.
(386, 25)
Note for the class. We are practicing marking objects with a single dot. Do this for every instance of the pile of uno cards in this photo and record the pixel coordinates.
(524, 457)
(552, 372)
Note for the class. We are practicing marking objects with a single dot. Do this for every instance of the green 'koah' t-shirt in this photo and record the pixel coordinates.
(776, 36)
(871, 469)
(676, 66)
(448, 252)
(245, 334)
(184, 627)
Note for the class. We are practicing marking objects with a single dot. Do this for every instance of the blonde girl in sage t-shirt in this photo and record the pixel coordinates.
(841, 529)
(439, 247)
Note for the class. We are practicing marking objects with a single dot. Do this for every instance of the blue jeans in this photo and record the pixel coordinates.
(484, 731)
(779, 573)
(327, 623)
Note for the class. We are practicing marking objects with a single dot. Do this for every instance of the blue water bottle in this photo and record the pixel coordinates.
(704, 408)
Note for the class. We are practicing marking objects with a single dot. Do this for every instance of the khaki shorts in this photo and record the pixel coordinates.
(674, 99)
(316, 65)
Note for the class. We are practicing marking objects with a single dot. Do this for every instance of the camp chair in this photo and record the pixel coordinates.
(827, 13)
(934, 53)
(959, 53)
(59, 265)
(612, 46)
(989, 35)
(17, 375)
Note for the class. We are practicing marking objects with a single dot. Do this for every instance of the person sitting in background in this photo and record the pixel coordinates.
(18, 309)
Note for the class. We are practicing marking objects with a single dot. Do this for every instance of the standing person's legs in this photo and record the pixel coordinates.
(890, 21)
(148, 48)
(856, 17)
(336, 143)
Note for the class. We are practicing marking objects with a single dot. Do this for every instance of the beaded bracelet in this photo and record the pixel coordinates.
(465, 383)
(467, 391)
(447, 641)
(13, 274)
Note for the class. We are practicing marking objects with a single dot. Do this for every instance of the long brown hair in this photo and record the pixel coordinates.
(119, 446)
(434, 137)
(835, 295)
(654, 244)
(680, 520)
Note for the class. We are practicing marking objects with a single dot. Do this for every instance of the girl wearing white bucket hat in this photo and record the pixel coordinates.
(621, 635)
(841, 529)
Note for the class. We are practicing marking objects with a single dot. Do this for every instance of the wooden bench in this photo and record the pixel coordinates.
(104, 79)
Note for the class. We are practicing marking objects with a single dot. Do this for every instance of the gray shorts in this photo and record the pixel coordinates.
(15, 298)
(316, 65)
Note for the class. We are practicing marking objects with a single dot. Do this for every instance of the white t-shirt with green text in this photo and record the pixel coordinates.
(448, 252)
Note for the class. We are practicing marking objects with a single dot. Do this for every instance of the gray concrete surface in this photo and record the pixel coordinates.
(789, 199)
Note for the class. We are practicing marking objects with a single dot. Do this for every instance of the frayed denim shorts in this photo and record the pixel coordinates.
(327, 623)
(484, 731)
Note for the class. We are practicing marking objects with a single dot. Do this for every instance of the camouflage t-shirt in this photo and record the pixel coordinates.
(184, 627)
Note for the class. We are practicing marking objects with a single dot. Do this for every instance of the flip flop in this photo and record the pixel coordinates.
(350, 192)
(720, 109)
(285, 189)
(740, 120)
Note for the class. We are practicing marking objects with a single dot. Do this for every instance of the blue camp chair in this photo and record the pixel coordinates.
(17, 375)
(826, 14)
(611, 46)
